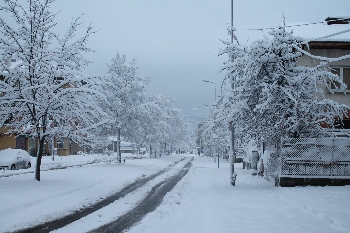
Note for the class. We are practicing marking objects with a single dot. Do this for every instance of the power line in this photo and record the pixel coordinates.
(289, 26)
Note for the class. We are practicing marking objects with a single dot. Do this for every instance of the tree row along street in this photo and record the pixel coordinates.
(47, 100)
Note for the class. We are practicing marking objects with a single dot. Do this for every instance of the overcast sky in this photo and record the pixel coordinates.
(176, 42)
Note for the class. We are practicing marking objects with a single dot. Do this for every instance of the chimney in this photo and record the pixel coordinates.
(337, 20)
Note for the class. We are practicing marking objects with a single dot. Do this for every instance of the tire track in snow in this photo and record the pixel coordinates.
(153, 199)
(78, 214)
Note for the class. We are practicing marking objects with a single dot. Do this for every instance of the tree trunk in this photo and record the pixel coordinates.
(113, 146)
(150, 150)
(279, 146)
(232, 155)
(38, 158)
(119, 155)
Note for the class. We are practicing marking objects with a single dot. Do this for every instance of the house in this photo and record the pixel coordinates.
(28, 142)
(321, 161)
(126, 147)
(330, 39)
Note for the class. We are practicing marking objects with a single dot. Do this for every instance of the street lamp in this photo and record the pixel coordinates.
(207, 81)
(233, 174)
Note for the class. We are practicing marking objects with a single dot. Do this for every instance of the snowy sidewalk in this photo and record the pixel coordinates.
(205, 202)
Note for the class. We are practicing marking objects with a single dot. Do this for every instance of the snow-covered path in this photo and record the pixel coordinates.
(204, 201)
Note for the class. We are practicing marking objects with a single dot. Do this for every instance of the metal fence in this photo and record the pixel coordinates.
(315, 158)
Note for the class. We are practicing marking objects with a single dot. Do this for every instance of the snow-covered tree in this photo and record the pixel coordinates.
(163, 125)
(154, 121)
(272, 96)
(45, 94)
(125, 91)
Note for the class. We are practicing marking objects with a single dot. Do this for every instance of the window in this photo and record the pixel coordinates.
(60, 144)
(344, 74)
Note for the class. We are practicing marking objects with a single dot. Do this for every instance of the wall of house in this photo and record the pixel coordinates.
(62, 152)
(74, 148)
(339, 97)
(330, 53)
(7, 141)
(69, 148)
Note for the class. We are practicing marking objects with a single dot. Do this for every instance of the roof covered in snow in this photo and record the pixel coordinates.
(332, 29)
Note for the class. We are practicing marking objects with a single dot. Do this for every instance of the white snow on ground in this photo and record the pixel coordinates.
(59, 162)
(119, 207)
(203, 201)
(26, 202)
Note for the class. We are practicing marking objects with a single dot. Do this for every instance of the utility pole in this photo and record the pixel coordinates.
(232, 22)
(233, 174)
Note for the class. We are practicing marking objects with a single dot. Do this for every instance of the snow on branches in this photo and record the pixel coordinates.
(271, 96)
(133, 115)
(44, 94)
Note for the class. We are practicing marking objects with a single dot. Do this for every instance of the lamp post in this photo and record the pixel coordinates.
(207, 81)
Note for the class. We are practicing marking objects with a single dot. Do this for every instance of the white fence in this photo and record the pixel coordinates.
(315, 158)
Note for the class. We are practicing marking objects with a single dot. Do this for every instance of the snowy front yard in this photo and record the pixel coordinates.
(203, 201)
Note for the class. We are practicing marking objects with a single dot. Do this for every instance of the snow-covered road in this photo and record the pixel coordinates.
(203, 201)
(27, 202)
